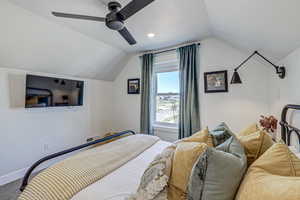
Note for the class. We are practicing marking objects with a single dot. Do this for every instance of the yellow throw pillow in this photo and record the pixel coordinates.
(111, 140)
(201, 136)
(255, 144)
(250, 129)
(274, 176)
(185, 156)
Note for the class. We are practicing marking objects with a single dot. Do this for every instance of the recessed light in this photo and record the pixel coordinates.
(151, 35)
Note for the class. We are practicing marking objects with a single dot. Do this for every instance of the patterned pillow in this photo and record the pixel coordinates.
(220, 134)
(168, 175)
(154, 182)
(274, 176)
(218, 172)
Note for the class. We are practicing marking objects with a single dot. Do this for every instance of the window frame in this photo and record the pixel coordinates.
(171, 65)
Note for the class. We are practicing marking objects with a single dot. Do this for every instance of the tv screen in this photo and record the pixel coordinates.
(53, 92)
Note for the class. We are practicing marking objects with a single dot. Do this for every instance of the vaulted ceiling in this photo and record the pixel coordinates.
(32, 39)
(271, 26)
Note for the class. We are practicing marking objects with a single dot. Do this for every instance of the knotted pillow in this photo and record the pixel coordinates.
(185, 156)
(255, 143)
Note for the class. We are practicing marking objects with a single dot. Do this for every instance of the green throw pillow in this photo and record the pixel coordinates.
(218, 172)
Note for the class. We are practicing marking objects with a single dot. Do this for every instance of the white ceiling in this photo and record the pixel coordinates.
(270, 26)
(36, 44)
(167, 18)
(32, 39)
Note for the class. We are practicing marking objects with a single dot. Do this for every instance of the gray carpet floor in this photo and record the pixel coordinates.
(10, 191)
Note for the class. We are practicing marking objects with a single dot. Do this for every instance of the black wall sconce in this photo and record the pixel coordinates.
(236, 79)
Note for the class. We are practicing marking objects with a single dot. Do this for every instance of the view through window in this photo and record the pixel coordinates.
(167, 98)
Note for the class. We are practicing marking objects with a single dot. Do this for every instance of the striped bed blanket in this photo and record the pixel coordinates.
(68, 177)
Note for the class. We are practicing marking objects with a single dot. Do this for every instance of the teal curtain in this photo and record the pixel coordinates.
(189, 111)
(147, 92)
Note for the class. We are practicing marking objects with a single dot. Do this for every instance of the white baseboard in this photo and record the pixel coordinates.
(15, 175)
(12, 176)
(7, 178)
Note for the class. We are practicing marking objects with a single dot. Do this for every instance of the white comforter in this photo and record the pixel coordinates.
(123, 181)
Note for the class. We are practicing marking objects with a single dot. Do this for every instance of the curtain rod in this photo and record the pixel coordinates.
(173, 48)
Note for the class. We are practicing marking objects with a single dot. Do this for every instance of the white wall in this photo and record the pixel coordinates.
(126, 112)
(244, 103)
(286, 91)
(29, 134)
(240, 107)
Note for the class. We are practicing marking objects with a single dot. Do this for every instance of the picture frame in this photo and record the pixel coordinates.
(133, 86)
(216, 81)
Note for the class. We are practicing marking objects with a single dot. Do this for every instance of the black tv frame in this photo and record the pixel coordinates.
(50, 93)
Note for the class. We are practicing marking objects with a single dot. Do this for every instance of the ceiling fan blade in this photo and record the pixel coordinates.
(75, 16)
(133, 7)
(127, 36)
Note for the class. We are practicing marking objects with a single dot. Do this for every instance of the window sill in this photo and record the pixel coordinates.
(162, 128)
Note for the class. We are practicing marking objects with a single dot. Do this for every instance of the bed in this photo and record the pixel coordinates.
(119, 183)
(128, 176)
(125, 180)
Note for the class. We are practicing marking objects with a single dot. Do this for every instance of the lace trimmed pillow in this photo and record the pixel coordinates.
(155, 179)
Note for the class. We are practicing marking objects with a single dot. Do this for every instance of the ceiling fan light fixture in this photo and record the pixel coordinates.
(115, 18)
(151, 35)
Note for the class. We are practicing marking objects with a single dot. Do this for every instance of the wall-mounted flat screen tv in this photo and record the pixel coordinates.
(52, 92)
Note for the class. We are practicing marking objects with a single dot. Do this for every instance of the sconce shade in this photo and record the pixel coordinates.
(236, 79)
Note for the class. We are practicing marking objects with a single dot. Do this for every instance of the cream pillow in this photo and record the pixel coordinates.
(155, 179)
(274, 176)
(255, 144)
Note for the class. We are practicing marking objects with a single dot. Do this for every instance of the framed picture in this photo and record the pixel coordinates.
(133, 86)
(215, 81)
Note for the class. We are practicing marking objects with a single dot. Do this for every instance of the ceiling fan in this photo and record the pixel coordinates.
(115, 19)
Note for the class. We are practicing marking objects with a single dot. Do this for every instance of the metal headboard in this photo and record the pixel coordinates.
(288, 130)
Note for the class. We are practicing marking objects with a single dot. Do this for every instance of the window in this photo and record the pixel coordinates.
(166, 110)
